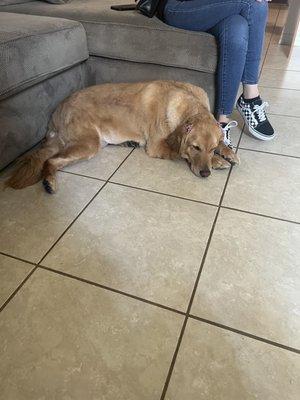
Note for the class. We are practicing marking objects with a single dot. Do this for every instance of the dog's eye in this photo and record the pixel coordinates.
(196, 148)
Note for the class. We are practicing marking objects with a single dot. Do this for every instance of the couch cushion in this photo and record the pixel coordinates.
(8, 2)
(33, 48)
(131, 36)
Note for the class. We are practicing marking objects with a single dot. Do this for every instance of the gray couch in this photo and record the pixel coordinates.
(48, 51)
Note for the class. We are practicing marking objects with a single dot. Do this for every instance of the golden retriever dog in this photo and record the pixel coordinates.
(170, 119)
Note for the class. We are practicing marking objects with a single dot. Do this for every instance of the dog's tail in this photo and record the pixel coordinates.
(29, 167)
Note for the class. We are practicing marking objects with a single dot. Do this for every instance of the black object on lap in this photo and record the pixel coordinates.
(146, 7)
(124, 7)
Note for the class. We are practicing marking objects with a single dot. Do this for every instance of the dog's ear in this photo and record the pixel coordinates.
(175, 138)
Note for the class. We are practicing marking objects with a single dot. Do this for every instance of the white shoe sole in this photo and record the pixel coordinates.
(253, 132)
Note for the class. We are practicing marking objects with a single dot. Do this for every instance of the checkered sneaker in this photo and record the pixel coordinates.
(254, 114)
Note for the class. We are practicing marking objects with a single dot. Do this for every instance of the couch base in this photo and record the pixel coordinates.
(106, 70)
(24, 117)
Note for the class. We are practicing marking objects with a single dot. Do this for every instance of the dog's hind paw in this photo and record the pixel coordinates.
(47, 186)
(130, 143)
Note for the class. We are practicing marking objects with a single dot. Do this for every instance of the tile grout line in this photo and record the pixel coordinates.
(243, 333)
(82, 210)
(179, 341)
(111, 289)
(283, 70)
(17, 258)
(268, 152)
(72, 222)
(280, 88)
(163, 194)
(87, 281)
(18, 288)
(284, 115)
(177, 348)
(152, 303)
(252, 212)
(54, 244)
(260, 215)
(84, 176)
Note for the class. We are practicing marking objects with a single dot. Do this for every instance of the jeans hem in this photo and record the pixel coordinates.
(249, 83)
(222, 112)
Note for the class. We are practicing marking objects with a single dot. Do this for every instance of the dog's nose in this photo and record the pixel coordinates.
(205, 173)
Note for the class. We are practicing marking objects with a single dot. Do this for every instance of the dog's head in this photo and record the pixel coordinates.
(196, 140)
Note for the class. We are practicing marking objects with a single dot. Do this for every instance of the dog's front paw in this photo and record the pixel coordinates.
(229, 155)
(219, 162)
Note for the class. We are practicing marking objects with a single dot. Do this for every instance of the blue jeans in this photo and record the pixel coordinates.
(239, 27)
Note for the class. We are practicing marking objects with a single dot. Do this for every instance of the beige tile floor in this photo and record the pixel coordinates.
(157, 285)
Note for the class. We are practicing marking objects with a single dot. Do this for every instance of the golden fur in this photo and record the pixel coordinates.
(170, 119)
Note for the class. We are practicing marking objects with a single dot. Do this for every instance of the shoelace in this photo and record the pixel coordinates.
(260, 110)
(226, 131)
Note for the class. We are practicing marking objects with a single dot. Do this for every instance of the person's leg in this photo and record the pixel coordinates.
(257, 19)
(232, 34)
(209, 15)
(249, 104)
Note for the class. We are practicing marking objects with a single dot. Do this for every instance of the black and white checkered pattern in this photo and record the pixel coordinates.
(248, 113)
